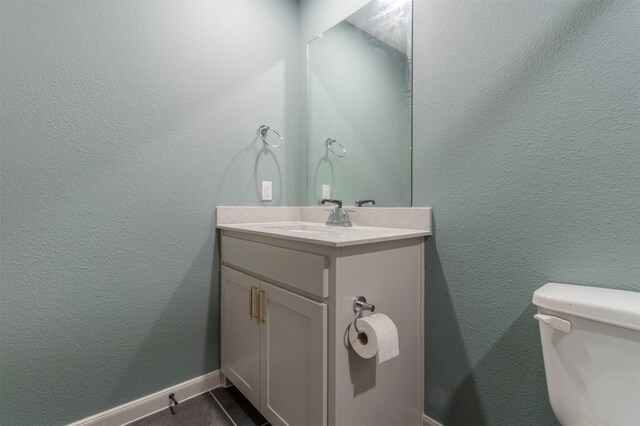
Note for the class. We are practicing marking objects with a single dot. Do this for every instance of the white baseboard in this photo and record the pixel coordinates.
(428, 421)
(134, 410)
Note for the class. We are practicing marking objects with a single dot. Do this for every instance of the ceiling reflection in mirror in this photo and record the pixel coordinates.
(359, 108)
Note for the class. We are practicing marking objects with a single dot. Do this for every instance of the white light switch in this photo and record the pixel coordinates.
(326, 191)
(267, 190)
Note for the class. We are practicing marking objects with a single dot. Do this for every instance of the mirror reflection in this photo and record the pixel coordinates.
(359, 108)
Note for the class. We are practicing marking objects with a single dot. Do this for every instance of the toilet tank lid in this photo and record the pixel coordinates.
(616, 307)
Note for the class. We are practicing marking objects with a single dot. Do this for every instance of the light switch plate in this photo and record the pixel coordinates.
(267, 190)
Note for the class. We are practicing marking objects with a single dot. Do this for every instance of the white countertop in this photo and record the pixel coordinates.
(319, 233)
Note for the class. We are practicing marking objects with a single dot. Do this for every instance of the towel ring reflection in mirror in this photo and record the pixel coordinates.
(263, 130)
(340, 152)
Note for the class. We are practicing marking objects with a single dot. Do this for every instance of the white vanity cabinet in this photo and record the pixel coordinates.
(274, 348)
(286, 307)
(240, 334)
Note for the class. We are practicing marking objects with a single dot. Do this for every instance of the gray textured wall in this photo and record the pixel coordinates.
(123, 125)
(527, 146)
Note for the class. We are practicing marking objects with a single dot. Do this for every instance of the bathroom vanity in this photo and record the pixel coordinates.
(287, 292)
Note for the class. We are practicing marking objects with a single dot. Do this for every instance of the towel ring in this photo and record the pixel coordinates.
(263, 130)
(330, 142)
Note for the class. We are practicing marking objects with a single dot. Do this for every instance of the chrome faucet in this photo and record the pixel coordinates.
(337, 217)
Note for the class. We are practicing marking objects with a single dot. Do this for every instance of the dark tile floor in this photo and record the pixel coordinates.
(219, 407)
(237, 407)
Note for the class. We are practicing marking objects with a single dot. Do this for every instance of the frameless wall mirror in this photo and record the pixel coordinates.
(359, 107)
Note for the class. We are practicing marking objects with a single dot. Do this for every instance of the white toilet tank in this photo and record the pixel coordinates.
(591, 348)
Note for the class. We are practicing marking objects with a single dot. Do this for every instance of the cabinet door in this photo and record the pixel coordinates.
(240, 334)
(293, 339)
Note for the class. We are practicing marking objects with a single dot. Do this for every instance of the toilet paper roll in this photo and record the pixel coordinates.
(378, 335)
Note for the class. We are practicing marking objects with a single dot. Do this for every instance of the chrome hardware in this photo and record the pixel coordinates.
(330, 142)
(338, 203)
(338, 216)
(263, 130)
(360, 203)
(359, 305)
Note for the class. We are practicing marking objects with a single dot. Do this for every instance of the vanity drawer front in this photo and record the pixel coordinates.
(308, 272)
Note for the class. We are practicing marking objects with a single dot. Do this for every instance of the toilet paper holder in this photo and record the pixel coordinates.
(360, 304)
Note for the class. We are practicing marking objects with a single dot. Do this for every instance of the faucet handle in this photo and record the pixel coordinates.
(329, 200)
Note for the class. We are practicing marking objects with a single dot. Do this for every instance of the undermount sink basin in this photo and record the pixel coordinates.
(305, 228)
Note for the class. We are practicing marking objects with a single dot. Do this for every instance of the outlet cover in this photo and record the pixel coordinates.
(326, 191)
(267, 190)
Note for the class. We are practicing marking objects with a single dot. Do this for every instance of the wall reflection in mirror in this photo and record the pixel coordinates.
(359, 107)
